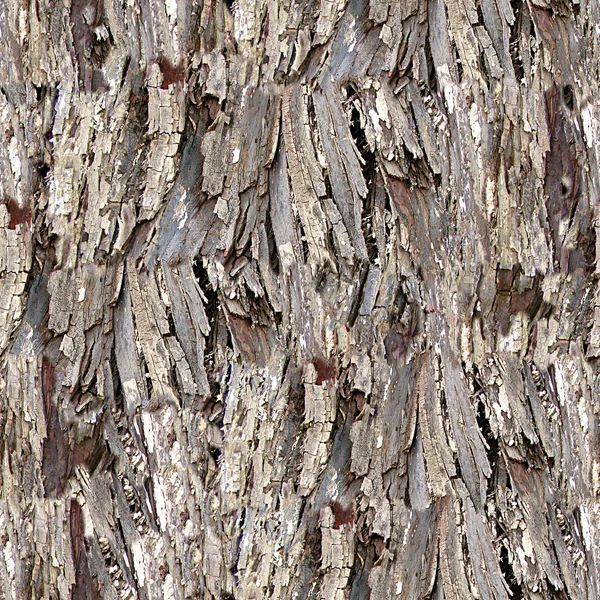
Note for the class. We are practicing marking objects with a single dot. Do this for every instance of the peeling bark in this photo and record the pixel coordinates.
(299, 300)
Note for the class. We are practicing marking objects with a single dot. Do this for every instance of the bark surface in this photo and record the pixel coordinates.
(299, 299)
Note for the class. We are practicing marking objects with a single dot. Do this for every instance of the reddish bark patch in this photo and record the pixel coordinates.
(84, 587)
(401, 201)
(76, 521)
(18, 214)
(342, 515)
(171, 73)
(325, 371)
(250, 339)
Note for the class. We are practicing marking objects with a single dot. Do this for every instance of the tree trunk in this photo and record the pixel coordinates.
(299, 299)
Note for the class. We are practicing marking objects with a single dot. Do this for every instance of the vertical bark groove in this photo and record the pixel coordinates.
(299, 300)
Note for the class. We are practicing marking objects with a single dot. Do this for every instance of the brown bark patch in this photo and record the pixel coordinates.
(18, 214)
(55, 462)
(84, 587)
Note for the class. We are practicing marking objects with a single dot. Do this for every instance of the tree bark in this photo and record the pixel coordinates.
(299, 299)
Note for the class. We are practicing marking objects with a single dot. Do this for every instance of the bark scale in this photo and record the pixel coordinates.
(299, 300)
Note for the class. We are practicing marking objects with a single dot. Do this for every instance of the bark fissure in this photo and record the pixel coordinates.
(299, 299)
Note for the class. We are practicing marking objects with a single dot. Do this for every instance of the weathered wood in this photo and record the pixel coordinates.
(299, 300)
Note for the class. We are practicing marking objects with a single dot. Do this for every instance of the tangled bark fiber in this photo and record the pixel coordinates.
(299, 300)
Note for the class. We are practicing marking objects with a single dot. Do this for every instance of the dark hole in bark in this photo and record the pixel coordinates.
(118, 391)
(432, 80)
(459, 67)
(564, 189)
(480, 20)
(171, 322)
(216, 454)
(550, 380)
(43, 171)
(272, 244)
(231, 5)
(212, 310)
(569, 97)
(509, 574)
(202, 278)
(125, 69)
(109, 560)
(446, 418)
(388, 205)
(399, 305)
(369, 167)
(146, 376)
(40, 92)
(353, 314)
(303, 242)
(515, 32)
(486, 430)
(483, 65)
(360, 140)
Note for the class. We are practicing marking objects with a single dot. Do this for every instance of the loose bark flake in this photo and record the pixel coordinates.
(299, 300)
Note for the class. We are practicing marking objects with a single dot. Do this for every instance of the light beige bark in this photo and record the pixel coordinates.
(299, 300)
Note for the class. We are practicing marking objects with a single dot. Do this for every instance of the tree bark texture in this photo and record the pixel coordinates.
(299, 299)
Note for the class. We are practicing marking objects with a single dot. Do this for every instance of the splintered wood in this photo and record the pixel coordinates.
(299, 300)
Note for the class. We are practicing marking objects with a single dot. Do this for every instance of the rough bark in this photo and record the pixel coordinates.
(299, 299)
